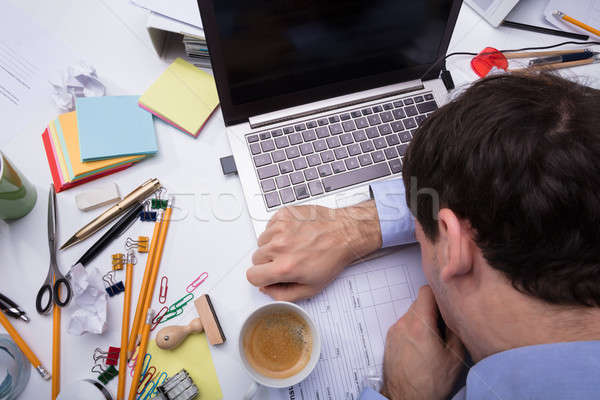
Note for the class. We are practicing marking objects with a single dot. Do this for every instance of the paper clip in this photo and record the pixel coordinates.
(131, 364)
(164, 287)
(159, 316)
(145, 365)
(159, 204)
(146, 215)
(155, 384)
(141, 244)
(197, 282)
(182, 302)
(171, 314)
(111, 287)
(146, 379)
(118, 261)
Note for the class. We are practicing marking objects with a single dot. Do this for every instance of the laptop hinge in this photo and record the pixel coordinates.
(334, 103)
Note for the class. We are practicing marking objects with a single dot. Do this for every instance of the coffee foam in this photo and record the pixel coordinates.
(278, 344)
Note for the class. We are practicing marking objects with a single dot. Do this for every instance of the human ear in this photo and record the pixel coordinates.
(454, 242)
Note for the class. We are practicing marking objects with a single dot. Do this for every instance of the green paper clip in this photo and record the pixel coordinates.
(182, 302)
(171, 314)
(159, 203)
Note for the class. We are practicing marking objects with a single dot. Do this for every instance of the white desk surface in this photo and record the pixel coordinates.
(212, 230)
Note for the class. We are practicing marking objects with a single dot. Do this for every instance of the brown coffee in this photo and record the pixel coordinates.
(278, 344)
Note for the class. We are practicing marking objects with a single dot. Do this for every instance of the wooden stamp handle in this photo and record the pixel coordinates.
(172, 336)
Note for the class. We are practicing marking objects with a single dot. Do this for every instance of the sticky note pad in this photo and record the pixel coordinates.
(66, 129)
(193, 355)
(113, 126)
(183, 96)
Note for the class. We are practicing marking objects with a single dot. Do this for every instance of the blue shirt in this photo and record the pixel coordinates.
(565, 371)
(395, 219)
(550, 371)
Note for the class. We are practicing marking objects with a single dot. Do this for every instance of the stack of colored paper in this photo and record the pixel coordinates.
(103, 136)
(183, 96)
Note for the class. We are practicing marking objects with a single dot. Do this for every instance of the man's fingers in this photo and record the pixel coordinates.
(288, 291)
(261, 256)
(425, 307)
(454, 345)
(271, 231)
(263, 274)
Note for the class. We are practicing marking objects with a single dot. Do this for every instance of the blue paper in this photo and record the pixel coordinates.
(113, 126)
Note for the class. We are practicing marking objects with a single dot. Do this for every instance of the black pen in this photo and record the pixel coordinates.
(12, 309)
(114, 232)
(584, 55)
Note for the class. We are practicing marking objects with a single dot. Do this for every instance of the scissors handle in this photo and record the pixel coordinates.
(66, 292)
(46, 288)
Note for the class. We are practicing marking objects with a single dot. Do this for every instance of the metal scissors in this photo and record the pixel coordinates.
(55, 279)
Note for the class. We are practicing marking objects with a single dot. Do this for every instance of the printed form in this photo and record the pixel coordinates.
(353, 315)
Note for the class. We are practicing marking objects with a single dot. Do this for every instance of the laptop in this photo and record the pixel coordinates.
(321, 98)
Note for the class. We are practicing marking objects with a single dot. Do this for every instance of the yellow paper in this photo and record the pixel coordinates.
(68, 124)
(194, 356)
(183, 96)
(59, 153)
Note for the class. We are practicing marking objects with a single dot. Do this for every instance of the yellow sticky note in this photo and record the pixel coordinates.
(68, 123)
(183, 96)
(194, 356)
(59, 154)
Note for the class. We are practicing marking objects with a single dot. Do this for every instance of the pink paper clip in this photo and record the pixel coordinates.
(164, 287)
(197, 282)
(161, 314)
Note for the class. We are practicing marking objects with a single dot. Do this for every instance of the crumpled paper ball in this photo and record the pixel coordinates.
(79, 80)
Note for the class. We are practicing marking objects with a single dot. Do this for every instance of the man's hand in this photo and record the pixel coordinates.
(418, 364)
(306, 247)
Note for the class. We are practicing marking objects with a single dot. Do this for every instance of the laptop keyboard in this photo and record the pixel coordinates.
(319, 156)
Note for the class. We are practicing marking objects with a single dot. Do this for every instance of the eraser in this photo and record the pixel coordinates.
(207, 314)
(100, 195)
(228, 165)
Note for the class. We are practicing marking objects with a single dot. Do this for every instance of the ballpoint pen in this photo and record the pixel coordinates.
(132, 199)
(562, 58)
(114, 232)
(12, 309)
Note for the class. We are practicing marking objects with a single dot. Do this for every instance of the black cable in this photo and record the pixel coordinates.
(465, 53)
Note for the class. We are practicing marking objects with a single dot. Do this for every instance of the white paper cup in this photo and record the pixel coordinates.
(260, 379)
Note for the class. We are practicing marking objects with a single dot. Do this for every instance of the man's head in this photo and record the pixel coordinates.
(515, 164)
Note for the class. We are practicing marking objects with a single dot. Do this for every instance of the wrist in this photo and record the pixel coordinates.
(362, 229)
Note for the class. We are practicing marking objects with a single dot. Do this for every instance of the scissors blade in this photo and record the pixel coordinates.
(52, 219)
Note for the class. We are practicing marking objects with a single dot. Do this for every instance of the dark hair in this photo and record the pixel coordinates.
(518, 157)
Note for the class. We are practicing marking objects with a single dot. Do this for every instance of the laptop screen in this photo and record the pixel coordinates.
(270, 48)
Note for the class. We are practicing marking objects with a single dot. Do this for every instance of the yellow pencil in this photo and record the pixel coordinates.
(125, 327)
(139, 314)
(563, 16)
(140, 363)
(24, 347)
(56, 351)
(156, 262)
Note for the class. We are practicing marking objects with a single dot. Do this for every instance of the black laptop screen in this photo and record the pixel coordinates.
(276, 47)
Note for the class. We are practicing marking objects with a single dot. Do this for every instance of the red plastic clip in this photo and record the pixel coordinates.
(164, 287)
(197, 282)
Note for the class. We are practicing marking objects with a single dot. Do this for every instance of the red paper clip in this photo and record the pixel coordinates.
(161, 314)
(146, 379)
(197, 282)
(164, 287)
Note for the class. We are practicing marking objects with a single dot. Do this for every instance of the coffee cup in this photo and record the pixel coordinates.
(279, 346)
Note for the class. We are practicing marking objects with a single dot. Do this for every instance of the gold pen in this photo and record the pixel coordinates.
(133, 198)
